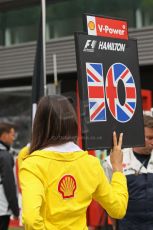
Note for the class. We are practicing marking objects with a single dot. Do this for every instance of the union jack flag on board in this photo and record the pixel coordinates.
(96, 99)
(125, 112)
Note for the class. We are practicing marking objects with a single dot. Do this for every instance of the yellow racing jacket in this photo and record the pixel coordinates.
(58, 187)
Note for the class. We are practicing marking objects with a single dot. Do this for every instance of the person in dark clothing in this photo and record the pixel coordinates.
(138, 169)
(8, 195)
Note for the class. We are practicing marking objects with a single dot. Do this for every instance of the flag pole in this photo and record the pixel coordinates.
(43, 5)
(39, 75)
(55, 72)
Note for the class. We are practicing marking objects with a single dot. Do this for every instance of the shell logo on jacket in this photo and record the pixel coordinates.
(67, 186)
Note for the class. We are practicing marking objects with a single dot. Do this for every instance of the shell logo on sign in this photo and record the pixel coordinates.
(91, 25)
(67, 186)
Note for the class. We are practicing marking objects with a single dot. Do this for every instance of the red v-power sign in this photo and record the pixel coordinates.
(107, 27)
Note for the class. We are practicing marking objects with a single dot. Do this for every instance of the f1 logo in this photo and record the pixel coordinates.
(90, 45)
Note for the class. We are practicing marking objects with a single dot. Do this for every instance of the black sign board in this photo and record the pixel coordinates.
(109, 89)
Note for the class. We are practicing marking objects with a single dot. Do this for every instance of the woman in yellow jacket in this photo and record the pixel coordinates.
(59, 180)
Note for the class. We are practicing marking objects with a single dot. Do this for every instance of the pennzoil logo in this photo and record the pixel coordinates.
(67, 186)
(90, 45)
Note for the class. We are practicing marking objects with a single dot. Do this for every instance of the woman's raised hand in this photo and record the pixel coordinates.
(116, 156)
